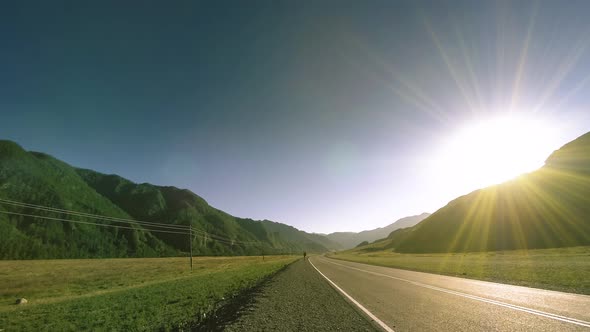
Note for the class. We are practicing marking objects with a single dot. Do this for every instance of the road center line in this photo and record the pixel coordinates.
(360, 306)
(474, 297)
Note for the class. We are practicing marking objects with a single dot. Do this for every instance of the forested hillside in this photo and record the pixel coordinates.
(547, 208)
(43, 183)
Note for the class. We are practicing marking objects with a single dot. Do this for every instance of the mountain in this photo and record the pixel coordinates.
(547, 208)
(39, 179)
(350, 239)
(390, 242)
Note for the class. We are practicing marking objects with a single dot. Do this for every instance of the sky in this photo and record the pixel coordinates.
(325, 115)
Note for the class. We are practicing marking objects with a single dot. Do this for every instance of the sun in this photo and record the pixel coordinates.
(490, 151)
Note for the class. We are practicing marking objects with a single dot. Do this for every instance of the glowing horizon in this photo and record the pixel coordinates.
(490, 151)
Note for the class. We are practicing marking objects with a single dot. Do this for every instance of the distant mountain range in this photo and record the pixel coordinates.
(41, 180)
(351, 239)
(547, 208)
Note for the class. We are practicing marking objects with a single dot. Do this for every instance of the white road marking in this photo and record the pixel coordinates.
(360, 306)
(474, 297)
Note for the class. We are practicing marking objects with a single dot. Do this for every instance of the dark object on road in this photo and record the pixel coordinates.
(304, 254)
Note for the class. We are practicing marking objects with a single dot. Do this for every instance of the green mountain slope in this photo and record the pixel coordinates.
(351, 239)
(292, 234)
(390, 242)
(40, 179)
(547, 208)
(182, 207)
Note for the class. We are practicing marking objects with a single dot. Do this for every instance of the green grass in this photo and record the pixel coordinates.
(123, 294)
(562, 269)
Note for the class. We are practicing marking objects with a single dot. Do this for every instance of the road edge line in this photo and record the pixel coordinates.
(355, 302)
(540, 313)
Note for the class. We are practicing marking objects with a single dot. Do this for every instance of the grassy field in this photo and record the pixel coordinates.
(123, 294)
(562, 269)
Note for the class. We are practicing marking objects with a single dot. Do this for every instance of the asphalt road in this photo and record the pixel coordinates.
(415, 301)
(299, 299)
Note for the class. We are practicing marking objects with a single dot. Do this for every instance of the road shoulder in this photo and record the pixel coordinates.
(299, 299)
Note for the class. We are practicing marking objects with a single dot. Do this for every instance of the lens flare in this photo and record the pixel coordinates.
(491, 151)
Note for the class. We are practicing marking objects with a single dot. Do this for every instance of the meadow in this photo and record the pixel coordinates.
(561, 269)
(133, 294)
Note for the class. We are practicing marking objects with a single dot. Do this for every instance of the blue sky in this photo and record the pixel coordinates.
(326, 115)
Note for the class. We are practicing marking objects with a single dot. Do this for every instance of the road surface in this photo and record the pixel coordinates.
(298, 299)
(414, 301)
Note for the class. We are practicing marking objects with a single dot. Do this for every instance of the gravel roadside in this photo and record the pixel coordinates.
(299, 299)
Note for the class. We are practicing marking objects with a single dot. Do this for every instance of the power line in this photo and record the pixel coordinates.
(233, 242)
(213, 236)
(190, 233)
(90, 223)
(174, 229)
(106, 225)
(89, 215)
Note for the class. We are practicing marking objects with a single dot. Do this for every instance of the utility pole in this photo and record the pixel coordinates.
(190, 243)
